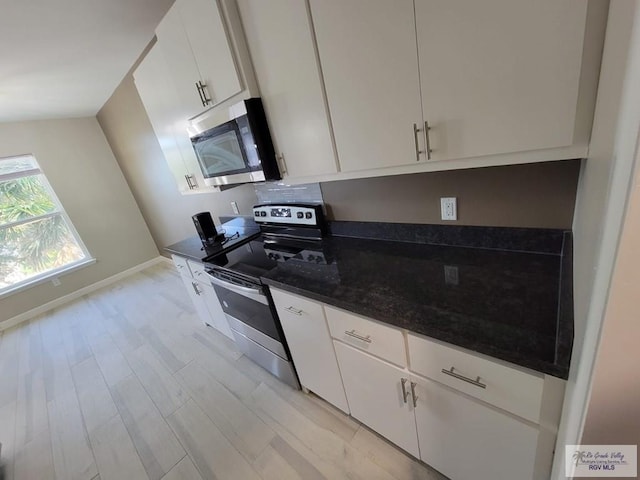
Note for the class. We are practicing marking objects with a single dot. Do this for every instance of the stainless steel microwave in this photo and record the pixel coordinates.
(238, 150)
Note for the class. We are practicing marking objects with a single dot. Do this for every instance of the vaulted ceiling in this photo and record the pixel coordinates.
(64, 58)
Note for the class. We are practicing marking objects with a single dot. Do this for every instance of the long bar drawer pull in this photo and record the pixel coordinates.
(352, 333)
(405, 393)
(294, 310)
(453, 374)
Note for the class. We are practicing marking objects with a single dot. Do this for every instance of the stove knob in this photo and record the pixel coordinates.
(311, 258)
(263, 214)
(300, 214)
(276, 256)
(307, 215)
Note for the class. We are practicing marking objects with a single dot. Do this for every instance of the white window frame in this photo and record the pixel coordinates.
(59, 210)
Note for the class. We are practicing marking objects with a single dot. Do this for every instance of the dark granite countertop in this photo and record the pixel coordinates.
(243, 227)
(511, 304)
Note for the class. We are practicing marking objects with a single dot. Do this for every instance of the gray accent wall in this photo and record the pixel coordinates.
(77, 160)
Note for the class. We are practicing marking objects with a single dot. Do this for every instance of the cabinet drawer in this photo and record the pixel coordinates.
(197, 270)
(508, 388)
(295, 307)
(182, 265)
(368, 335)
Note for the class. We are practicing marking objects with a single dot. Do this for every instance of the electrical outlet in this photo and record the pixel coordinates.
(449, 208)
(234, 207)
(451, 276)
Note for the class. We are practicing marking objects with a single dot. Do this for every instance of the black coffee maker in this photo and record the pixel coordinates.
(207, 229)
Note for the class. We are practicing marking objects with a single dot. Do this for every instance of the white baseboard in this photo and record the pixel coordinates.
(23, 317)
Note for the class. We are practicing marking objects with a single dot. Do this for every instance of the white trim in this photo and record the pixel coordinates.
(167, 260)
(47, 276)
(12, 322)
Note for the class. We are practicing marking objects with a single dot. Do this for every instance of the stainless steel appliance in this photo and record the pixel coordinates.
(238, 149)
(286, 231)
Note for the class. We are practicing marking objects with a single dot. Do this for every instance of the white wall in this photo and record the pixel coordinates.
(613, 415)
(77, 160)
(602, 193)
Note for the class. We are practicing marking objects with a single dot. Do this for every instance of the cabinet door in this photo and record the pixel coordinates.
(195, 293)
(216, 314)
(160, 99)
(499, 76)
(282, 49)
(211, 48)
(374, 392)
(307, 334)
(183, 70)
(466, 440)
(368, 56)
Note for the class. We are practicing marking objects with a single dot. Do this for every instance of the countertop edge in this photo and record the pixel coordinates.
(540, 367)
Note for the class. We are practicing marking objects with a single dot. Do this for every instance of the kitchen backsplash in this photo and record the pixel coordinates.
(279, 192)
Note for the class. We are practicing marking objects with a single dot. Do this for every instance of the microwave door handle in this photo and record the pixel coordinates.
(252, 293)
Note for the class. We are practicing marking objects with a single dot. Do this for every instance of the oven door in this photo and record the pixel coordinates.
(248, 312)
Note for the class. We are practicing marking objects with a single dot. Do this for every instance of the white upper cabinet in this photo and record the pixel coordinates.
(282, 48)
(499, 76)
(490, 78)
(194, 42)
(166, 114)
(160, 100)
(367, 52)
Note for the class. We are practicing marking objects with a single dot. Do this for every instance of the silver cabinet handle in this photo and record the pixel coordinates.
(282, 162)
(413, 394)
(294, 310)
(190, 182)
(415, 138)
(427, 139)
(203, 94)
(200, 94)
(195, 288)
(405, 394)
(453, 374)
(180, 266)
(352, 333)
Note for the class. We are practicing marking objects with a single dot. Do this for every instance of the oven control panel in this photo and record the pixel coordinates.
(289, 214)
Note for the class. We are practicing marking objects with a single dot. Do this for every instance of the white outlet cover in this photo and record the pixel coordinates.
(449, 208)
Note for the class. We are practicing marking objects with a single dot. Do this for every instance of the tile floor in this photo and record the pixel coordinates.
(126, 383)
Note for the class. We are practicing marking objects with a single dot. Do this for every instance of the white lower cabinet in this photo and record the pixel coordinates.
(466, 415)
(202, 295)
(307, 334)
(375, 393)
(464, 439)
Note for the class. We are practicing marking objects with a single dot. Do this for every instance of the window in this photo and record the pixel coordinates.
(37, 239)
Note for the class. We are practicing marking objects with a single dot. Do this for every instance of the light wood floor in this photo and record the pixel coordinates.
(127, 384)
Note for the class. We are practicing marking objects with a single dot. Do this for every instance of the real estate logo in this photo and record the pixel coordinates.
(601, 461)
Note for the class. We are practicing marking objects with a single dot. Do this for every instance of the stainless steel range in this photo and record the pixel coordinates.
(287, 231)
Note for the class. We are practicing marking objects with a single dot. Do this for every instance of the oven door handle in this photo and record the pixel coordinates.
(252, 293)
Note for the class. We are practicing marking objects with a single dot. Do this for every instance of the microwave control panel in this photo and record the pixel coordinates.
(293, 214)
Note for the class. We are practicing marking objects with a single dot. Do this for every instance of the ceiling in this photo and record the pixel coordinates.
(64, 58)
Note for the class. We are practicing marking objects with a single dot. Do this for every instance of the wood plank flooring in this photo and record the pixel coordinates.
(127, 383)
